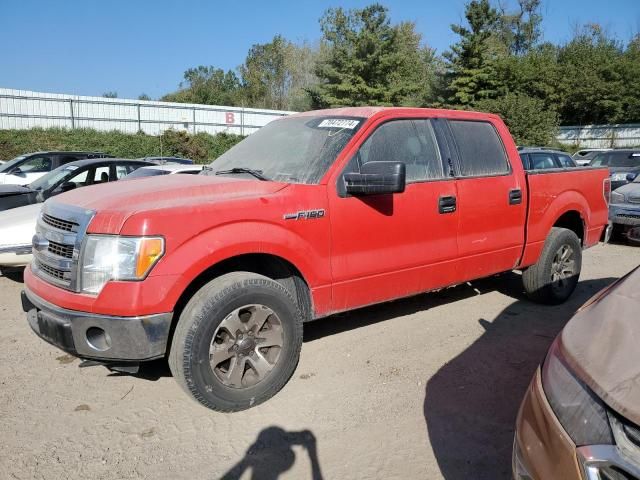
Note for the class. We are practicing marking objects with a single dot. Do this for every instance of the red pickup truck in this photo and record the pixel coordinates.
(314, 214)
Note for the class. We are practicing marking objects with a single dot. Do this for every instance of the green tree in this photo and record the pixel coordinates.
(276, 74)
(144, 96)
(592, 83)
(364, 60)
(209, 86)
(528, 120)
(110, 94)
(521, 30)
(629, 66)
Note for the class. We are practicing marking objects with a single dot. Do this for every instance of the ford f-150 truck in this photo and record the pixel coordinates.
(316, 213)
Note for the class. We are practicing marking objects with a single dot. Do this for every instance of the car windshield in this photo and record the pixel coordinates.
(293, 149)
(146, 172)
(53, 178)
(5, 167)
(617, 159)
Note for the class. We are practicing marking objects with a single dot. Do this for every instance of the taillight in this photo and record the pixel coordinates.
(606, 190)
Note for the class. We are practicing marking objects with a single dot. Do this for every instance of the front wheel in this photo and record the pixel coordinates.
(237, 342)
(555, 276)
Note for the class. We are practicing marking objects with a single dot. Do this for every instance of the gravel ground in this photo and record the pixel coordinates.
(426, 387)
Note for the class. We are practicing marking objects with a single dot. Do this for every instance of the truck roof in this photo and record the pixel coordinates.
(367, 112)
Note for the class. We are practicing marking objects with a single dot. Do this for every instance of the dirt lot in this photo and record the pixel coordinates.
(421, 388)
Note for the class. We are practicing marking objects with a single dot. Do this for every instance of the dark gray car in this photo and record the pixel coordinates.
(624, 211)
(624, 165)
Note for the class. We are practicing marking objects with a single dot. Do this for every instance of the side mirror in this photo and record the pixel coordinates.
(376, 178)
(16, 171)
(631, 177)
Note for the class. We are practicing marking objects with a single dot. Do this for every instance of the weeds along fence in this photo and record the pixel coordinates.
(23, 109)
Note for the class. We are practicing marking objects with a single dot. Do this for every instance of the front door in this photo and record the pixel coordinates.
(391, 246)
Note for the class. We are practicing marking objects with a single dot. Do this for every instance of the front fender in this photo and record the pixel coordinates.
(309, 254)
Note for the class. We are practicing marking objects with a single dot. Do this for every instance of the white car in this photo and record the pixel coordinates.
(165, 169)
(17, 228)
(25, 169)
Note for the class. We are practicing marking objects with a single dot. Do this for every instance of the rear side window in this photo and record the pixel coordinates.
(566, 161)
(542, 161)
(481, 151)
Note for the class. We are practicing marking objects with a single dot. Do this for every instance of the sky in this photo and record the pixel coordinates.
(87, 47)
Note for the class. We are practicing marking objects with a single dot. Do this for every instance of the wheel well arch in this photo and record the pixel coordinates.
(572, 220)
(271, 266)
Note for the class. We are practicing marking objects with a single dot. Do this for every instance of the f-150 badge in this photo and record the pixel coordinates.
(305, 215)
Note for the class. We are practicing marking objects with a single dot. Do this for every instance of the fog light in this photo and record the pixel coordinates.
(98, 339)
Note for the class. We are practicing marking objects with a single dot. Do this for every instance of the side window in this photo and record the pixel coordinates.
(122, 170)
(69, 158)
(101, 175)
(481, 151)
(190, 172)
(525, 161)
(411, 142)
(542, 161)
(79, 179)
(565, 161)
(36, 165)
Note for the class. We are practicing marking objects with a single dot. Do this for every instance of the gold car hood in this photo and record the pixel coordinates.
(601, 344)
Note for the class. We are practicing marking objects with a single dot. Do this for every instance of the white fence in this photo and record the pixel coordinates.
(601, 136)
(22, 109)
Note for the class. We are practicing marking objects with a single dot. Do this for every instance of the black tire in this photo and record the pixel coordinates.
(541, 282)
(203, 317)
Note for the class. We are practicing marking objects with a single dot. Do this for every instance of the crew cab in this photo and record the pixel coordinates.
(314, 214)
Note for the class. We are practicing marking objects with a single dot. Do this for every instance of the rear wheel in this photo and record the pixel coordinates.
(554, 277)
(237, 342)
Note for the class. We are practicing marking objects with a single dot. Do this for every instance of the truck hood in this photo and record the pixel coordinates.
(117, 201)
(600, 343)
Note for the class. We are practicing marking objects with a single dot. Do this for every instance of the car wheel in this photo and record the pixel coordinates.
(237, 342)
(554, 277)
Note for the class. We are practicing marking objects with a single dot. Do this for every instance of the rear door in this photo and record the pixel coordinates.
(491, 203)
(390, 246)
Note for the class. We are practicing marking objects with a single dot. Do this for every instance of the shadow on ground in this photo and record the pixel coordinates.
(507, 283)
(471, 403)
(272, 454)
(13, 274)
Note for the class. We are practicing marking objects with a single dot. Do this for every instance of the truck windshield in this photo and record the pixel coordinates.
(292, 149)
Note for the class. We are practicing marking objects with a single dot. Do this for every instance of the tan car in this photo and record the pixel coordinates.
(580, 418)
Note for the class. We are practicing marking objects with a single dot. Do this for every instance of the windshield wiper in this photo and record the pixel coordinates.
(250, 171)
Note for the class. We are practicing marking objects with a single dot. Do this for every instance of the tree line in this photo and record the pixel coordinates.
(498, 64)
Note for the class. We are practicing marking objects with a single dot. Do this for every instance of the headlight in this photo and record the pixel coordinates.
(110, 257)
(579, 410)
(617, 197)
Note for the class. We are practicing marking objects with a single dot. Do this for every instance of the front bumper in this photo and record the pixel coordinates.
(624, 214)
(98, 337)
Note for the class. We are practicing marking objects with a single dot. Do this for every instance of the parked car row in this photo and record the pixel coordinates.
(20, 205)
(24, 169)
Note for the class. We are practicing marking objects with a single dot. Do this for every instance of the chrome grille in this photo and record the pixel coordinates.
(59, 233)
(53, 272)
(60, 249)
(59, 223)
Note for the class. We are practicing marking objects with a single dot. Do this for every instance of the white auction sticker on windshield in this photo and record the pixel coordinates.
(339, 123)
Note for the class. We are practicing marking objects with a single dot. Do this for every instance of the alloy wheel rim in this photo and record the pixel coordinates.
(563, 268)
(246, 346)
